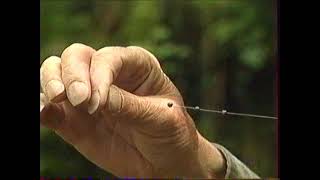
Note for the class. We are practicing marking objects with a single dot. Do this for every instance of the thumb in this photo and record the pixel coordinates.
(139, 109)
(51, 115)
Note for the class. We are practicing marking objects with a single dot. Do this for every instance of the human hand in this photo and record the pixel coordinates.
(111, 105)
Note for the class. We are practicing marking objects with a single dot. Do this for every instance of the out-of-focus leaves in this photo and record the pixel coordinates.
(253, 57)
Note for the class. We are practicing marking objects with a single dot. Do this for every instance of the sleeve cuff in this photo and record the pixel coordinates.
(235, 168)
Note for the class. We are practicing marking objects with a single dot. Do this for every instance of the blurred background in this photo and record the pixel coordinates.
(220, 54)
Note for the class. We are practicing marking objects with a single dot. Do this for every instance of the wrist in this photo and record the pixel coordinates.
(211, 160)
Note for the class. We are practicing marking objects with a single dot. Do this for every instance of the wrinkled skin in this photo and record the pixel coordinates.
(111, 105)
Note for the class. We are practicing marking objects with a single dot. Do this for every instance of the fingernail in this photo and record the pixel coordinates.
(77, 93)
(54, 88)
(115, 100)
(94, 102)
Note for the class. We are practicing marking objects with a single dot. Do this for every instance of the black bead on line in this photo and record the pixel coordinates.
(170, 104)
(223, 112)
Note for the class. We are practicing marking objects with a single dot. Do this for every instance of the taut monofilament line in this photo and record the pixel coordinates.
(223, 112)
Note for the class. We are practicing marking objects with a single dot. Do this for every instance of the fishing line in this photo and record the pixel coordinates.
(223, 112)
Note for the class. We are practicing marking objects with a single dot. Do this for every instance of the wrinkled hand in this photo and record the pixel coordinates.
(111, 105)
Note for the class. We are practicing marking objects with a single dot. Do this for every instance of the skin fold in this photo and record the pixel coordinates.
(112, 106)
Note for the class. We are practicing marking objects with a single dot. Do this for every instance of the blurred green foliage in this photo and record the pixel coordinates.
(220, 54)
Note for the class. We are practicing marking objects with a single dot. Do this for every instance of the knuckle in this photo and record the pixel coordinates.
(102, 55)
(136, 47)
(139, 50)
(109, 50)
(50, 60)
(47, 66)
(98, 54)
(144, 53)
(101, 58)
(53, 60)
(76, 47)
